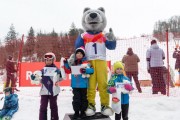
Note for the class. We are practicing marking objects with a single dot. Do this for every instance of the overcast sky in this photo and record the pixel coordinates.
(126, 17)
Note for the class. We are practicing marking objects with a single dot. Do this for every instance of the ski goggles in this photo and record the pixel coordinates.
(48, 57)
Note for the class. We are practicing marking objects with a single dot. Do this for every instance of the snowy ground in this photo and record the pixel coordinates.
(144, 106)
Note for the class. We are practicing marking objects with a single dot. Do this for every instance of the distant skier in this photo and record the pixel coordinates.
(10, 104)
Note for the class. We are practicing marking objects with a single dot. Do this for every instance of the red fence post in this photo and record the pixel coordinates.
(19, 57)
(167, 37)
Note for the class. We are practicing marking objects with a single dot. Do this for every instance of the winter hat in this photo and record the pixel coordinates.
(153, 42)
(80, 49)
(130, 51)
(10, 57)
(8, 89)
(118, 65)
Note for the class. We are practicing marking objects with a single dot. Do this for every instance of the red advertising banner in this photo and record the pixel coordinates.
(26, 69)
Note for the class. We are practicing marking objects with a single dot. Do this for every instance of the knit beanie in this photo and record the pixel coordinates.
(118, 64)
(130, 51)
(80, 49)
(10, 57)
(153, 42)
(8, 89)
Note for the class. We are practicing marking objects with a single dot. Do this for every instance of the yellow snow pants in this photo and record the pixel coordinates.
(98, 79)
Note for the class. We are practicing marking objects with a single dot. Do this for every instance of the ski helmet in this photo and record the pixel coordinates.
(50, 55)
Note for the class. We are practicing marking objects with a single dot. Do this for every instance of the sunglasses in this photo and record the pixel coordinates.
(48, 57)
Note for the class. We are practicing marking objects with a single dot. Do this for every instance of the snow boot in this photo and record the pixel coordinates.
(106, 110)
(76, 115)
(91, 110)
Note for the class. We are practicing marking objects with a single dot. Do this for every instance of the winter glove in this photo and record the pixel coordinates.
(128, 87)
(83, 70)
(112, 90)
(110, 36)
(115, 100)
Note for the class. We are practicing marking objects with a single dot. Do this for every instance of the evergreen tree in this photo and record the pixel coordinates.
(28, 49)
(11, 35)
(55, 44)
(11, 42)
(173, 25)
(73, 30)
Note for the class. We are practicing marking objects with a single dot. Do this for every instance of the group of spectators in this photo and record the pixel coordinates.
(155, 67)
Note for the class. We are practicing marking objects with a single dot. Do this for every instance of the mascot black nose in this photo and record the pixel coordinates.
(93, 15)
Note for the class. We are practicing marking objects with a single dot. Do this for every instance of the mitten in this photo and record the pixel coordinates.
(112, 90)
(128, 87)
(110, 36)
(83, 70)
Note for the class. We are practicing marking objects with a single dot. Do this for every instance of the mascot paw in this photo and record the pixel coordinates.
(110, 36)
(105, 110)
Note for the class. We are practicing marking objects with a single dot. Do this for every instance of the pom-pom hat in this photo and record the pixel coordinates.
(80, 49)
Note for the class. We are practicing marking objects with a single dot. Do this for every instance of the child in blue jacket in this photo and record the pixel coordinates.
(119, 76)
(10, 104)
(79, 83)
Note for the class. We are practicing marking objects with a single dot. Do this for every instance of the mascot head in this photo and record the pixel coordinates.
(94, 20)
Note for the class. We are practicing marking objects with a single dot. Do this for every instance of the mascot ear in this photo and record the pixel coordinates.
(101, 9)
(86, 9)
